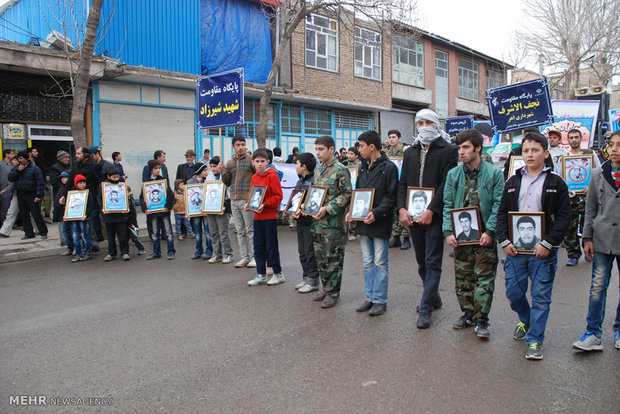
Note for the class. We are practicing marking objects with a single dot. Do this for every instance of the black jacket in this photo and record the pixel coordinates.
(382, 175)
(146, 173)
(303, 184)
(90, 171)
(29, 181)
(169, 197)
(441, 157)
(555, 204)
(182, 172)
(54, 175)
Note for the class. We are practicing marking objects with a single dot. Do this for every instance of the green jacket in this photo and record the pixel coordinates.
(490, 188)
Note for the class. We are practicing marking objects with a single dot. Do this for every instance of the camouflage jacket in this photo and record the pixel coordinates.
(399, 152)
(337, 179)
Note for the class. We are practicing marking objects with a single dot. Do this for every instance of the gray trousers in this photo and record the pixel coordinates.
(244, 223)
(11, 217)
(218, 227)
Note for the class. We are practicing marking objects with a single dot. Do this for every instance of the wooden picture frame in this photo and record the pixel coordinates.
(215, 195)
(114, 197)
(314, 200)
(256, 197)
(526, 230)
(154, 194)
(467, 225)
(295, 201)
(516, 162)
(361, 203)
(75, 205)
(576, 171)
(414, 209)
(194, 196)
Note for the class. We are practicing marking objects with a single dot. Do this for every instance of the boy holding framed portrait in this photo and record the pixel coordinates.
(217, 207)
(115, 206)
(471, 199)
(372, 206)
(79, 206)
(523, 194)
(198, 220)
(156, 200)
(576, 169)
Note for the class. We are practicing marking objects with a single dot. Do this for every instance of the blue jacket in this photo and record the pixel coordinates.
(29, 181)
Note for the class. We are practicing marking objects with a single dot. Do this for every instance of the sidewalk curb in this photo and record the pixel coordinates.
(39, 253)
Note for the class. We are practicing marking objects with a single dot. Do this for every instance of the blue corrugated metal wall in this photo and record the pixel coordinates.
(164, 34)
(28, 19)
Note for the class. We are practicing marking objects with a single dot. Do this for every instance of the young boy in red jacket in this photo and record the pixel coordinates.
(266, 221)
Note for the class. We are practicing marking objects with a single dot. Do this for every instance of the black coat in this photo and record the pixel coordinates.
(441, 157)
(182, 172)
(54, 174)
(382, 175)
(555, 204)
(303, 184)
(29, 181)
(90, 171)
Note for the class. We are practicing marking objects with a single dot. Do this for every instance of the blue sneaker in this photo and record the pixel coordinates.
(588, 342)
(617, 340)
(572, 262)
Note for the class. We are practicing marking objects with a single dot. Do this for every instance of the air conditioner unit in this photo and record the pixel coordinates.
(58, 41)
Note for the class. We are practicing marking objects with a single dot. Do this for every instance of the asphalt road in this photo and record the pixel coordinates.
(188, 337)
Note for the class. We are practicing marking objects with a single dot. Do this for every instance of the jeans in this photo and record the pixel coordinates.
(244, 223)
(162, 227)
(601, 274)
(27, 206)
(542, 274)
(428, 247)
(198, 225)
(67, 234)
(305, 248)
(375, 264)
(218, 226)
(81, 234)
(117, 229)
(266, 246)
(179, 221)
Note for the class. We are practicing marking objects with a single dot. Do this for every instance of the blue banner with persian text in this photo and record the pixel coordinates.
(520, 105)
(456, 124)
(219, 99)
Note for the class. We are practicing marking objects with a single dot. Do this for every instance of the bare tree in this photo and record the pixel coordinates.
(82, 79)
(570, 35)
(293, 12)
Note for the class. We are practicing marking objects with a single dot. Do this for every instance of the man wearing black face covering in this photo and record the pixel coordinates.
(426, 164)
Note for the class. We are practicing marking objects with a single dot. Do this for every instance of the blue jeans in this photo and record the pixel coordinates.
(266, 246)
(375, 263)
(198, 225)
(428, 245)
(542, 274)
(601, 274)
(179, 221)
(80, 231)
(162, 227)
(67, 234)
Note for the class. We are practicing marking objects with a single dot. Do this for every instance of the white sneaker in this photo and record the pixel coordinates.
(300, 285)
(588, 342)
(276, 279)
(227, 259)
(258, 280)
(215, 259)
(252, 263)
(308, 288)
(617, 340)
(241, 263)
(108, 258)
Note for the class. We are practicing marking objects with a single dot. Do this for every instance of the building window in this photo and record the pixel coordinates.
(317, 121)
(367, 54)
(291, 119)
(321, 42)
(495, 79)
(441, 84)
(468, 79)
(408, 61)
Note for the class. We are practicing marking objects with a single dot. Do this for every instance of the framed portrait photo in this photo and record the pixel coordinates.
(398, 162)
(466, 225)
(114, 197)
(577, 171)
(294, 201)
(75, 205)
(314, 199)
(418, 199)
(215, 194)
(194, 194)
(526, 230)
(155, 194)
(353, 172)
(516, 162)
(361, 203)
(257, 194)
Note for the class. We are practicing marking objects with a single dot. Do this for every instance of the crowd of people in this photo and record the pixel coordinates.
(417, 202)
